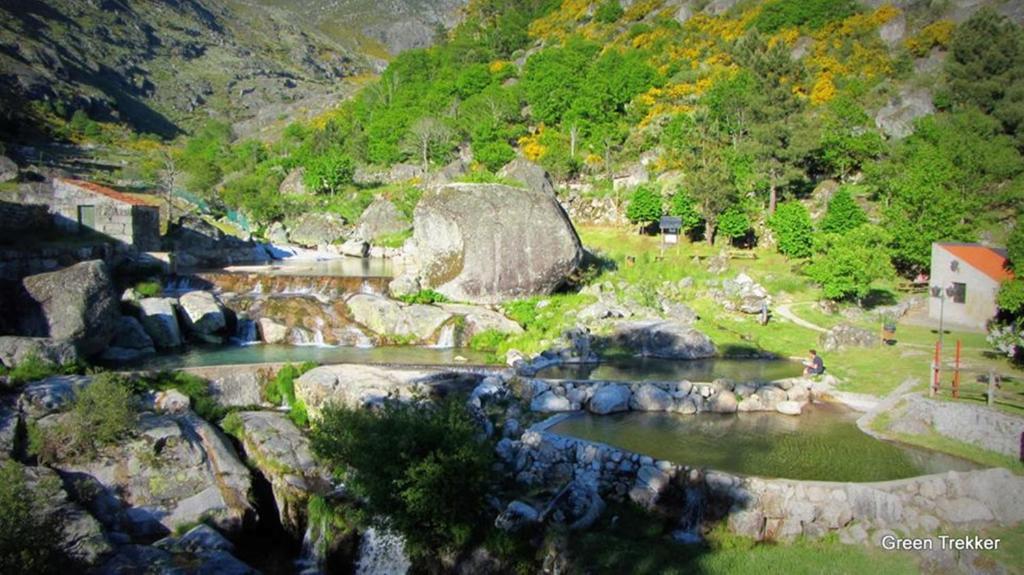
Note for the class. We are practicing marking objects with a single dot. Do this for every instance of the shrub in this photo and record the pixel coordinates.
(609, 12)
(847, 265)
(426, 296)
(684, 207)
(487, 340)
(644, 205)
(793, 229)
(101, 413)
(148, 288)
(812, 14)
(843, 213)
(196, 388)
(27, 542)
(32, 368)
(419, 466)
(281, 389)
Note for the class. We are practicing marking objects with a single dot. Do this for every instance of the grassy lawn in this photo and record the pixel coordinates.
(876, 370)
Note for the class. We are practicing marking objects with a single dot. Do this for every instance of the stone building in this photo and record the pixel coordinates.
(78, 206)
(968, 277)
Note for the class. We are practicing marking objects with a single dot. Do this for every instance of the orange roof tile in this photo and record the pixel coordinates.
(105, 191)
(989, 261)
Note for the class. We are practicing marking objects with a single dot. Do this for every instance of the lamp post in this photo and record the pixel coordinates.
(942, 294)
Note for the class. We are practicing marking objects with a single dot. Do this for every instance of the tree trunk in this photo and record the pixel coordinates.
(773, 198)
(709, 232)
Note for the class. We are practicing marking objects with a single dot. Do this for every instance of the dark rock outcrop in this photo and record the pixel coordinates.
(664, 339)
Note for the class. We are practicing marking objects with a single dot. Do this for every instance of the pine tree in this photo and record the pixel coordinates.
(843, 213)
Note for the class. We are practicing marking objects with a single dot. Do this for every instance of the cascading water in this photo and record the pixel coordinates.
(382, 553)
(314, 544)
(178, 284)
(691, 518)
(446, 339)
(245, 333)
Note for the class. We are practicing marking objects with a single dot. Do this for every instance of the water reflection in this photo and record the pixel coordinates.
(649, 369)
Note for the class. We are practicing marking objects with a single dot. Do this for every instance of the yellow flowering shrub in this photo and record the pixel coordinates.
(935, 34)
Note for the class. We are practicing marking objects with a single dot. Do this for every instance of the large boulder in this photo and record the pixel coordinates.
(477, 319)
(896, 119)
(610, 399)
(202, 312)
(381, 218)
(294, 183)
(485, 243)
(394, 319)
(160, 321)
(846, 335)
(8, 169)
(76, 304)
(317, 229)
(358, 385)
(130, 341)
(77, 533)
(16, 349)
(665, 339)
(281, 452)
(174, 470)
(650, 397)
(196, 243)
(531, 175)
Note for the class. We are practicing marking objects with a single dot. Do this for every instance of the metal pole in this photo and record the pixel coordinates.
(956, 372)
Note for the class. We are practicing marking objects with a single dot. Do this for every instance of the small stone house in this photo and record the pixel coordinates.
(78, 206)
(969, 276)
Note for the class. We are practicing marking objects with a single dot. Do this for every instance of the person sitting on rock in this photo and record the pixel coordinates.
(813, 365)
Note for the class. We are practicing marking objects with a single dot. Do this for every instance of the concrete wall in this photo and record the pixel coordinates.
(979, 305)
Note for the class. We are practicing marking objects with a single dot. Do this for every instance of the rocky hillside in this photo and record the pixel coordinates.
(158, 66)
(398, 25)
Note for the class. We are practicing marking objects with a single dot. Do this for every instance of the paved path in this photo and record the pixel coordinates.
(784, 311)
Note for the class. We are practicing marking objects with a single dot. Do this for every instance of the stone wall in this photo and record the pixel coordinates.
(17, 219)
(18, 263)
(772, 509)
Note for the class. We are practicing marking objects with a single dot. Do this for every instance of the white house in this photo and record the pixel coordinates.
(969, 276)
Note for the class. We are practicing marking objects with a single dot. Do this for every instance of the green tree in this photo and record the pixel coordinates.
(986, 68)
(848, 139)
(552, 80)
(793, 229)
(644, 206)
(778, 14)
(847, 265)
(684, 207)
(420, 467)
(734, 223)
(27, 541)
(843, 213)
(1015, 249)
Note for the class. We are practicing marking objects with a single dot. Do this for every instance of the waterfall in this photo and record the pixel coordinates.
(361, 339)
(382, 553)
(299, 336)
(692, 516)
(178, 284)
(366, 287)
(246, 334)
(446, 339)
(318, 338)
(314, 544)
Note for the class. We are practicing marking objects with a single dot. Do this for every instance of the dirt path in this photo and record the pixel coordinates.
(784, 311)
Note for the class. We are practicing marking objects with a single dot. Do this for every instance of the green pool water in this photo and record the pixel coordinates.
(823, 444)
(266, 353)
(649, 369)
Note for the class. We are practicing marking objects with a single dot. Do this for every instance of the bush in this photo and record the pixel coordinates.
(101, 414)
(609, 12)
(644, 205)
(426, 296)
(420, 467)
(487, 340)
(32, 368)
(843, 213)
(149, 288)
(684, 207)
(27, 542)
(812, 14)
(281, 390)
(196, 388)
(793, 229)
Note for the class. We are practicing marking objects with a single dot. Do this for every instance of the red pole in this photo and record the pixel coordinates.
(956, 372)
(935, 368)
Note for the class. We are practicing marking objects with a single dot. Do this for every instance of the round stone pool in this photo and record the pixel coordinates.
(650, 369)
(824, 443)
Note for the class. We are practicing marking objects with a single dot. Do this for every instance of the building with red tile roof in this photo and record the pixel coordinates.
(967, 278)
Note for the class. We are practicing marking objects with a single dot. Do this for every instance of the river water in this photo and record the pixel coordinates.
(705, 370)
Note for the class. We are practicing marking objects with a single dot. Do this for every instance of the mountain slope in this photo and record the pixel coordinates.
(160, 66)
